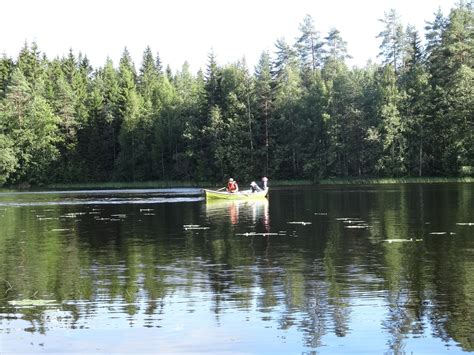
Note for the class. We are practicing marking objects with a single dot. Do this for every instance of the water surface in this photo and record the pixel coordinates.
(366, 269)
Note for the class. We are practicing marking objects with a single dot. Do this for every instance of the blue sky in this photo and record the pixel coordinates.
(188, 30)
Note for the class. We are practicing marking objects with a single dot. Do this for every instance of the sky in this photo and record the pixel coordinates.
(188, 30)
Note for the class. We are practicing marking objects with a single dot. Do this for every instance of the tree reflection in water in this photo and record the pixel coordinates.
(318, 279)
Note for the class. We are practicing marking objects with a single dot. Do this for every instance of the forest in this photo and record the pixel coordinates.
(301, 113)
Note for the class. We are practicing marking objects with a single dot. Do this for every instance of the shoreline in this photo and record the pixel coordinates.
(199, 184)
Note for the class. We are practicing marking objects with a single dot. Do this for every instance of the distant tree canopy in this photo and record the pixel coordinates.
(302, 113)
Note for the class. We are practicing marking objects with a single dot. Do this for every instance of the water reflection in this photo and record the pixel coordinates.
(244, 273)
(248, 212)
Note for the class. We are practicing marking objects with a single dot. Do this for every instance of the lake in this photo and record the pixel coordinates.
(329, 269)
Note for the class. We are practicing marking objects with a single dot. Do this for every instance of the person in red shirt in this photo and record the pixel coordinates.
(232, 186)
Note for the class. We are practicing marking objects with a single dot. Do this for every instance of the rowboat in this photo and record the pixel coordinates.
(241, 195)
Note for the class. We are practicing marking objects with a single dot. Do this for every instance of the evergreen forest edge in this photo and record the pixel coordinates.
(302, 113)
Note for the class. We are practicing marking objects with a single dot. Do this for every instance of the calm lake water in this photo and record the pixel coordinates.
(340, 269)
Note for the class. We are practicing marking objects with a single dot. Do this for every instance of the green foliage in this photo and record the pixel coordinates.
(8, 159)
(98, 139)
(6, 68)
(452, 100)
(345, 123)
(392, 125)
(303, 114)
(29, 129)
(287, 123)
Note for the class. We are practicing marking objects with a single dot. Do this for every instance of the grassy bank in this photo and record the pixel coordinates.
(372, 181)
(198, 184)
(410, 180)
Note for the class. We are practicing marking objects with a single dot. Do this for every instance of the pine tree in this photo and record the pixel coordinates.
(336, 47)
(434, 32)
(264, 98)
(284, 56)
(288, 92)
(391, 48)
(309, 45)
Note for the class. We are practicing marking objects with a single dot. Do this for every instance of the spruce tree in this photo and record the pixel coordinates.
(187, 112)
(32, 66)
(98, 141)
(165, 129)
(213, 78)
(148, 76)
(132, 155)
(6, 68)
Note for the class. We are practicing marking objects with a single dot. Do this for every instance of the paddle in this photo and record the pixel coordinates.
(221, 189)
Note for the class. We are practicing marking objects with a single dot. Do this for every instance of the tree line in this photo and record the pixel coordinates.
(301, 114)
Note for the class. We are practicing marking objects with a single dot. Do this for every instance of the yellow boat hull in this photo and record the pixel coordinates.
(241, 195)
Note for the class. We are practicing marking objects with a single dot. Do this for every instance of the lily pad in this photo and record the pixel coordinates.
(32, 303)
(302, 223)
(248, 234)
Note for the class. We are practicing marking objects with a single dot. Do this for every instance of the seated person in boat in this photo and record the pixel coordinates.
(232, 186)
(265, 182)
(254, 187)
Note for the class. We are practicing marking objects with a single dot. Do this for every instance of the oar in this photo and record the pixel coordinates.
(221, 189)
